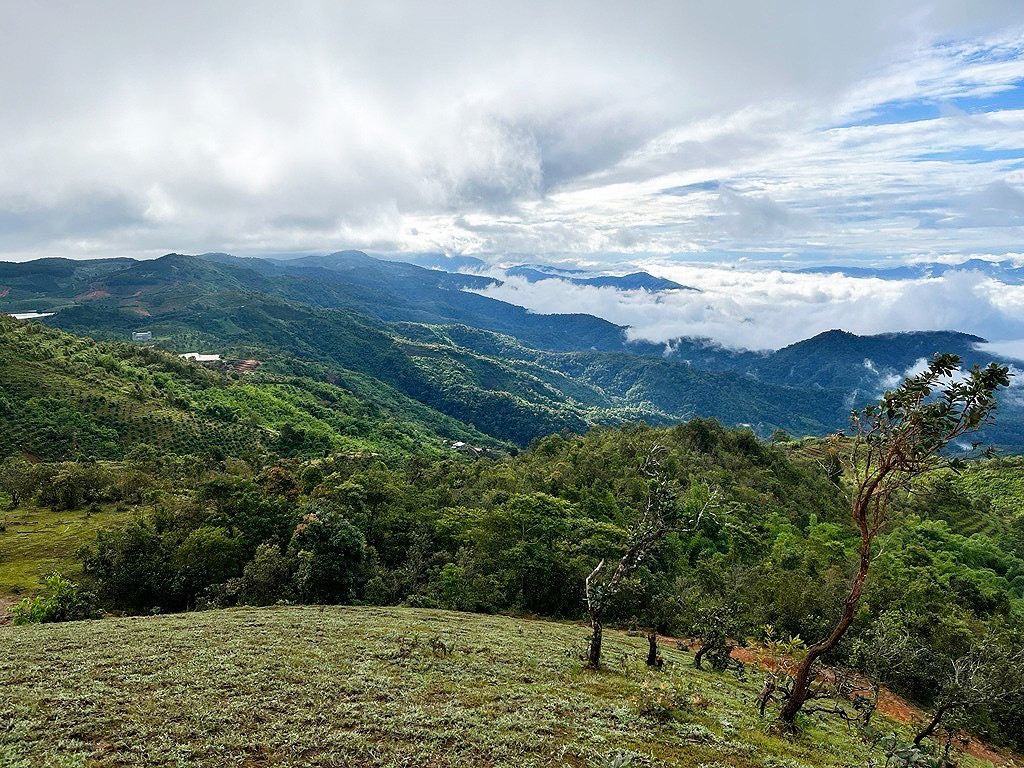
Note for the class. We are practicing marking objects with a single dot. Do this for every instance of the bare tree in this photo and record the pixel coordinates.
(885, 651)
(660, 516)
(894, 443)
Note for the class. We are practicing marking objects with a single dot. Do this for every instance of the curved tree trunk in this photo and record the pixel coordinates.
(801, 689)
(929, 729)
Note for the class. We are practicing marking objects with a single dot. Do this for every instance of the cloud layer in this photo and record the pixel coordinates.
(768, 309)
(889, 128)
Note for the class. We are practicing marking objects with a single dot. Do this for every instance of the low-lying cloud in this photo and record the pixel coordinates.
(768, 309)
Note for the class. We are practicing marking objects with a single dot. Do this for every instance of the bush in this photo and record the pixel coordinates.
(330, 552)
(207, 556)
(75, 485)
(60, 600)
(265, 579)
(666, 699)
(130, 566)
(460, 588)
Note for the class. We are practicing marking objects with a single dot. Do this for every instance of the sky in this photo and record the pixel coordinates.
(667, 133)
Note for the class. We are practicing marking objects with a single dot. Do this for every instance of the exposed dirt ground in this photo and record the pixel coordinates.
(898, 708)
(6, 603)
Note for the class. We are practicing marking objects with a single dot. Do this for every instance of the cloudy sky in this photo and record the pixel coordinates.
(879, 129)
(666, 133)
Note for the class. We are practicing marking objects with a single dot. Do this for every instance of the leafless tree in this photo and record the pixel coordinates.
(991, 672)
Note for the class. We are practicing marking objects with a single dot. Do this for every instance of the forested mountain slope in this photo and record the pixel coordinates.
(504, 388)
(64, 397)
(513, 374)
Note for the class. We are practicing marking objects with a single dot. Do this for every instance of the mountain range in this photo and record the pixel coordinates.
(426, 340)
(1006, 271)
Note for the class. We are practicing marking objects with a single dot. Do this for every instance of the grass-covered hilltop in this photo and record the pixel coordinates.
(316, 686)
(387, 522)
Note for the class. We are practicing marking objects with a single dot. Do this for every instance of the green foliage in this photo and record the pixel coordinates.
(266, 578)
(129, 565)
(205, 557)
(463, 588)
(521, 534)
(666, 698)
(330, 553)
(60, 600)
(64, 397)
(324, 518)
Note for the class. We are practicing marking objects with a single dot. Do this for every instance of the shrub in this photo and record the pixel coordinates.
(459, 587)
(265, 579)
(666, 698)
(207, 556)
(129, 565)
(60, 600)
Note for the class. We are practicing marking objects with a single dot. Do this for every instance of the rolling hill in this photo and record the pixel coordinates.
(64, 397)
(509, 373)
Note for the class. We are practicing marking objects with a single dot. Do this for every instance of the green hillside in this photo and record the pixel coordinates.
(512, 374)
(506, 390)
(314, 686)
(64, 397)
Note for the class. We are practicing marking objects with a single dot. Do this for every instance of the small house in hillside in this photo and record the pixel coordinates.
(197, 357)
(142, 336)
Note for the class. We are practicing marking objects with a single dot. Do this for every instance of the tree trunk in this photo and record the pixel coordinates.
(652, 653)
(699, 655)
(929, 729)
(594, 655)
(801, 689)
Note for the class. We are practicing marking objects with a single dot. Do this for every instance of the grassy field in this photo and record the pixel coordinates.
(310, 686)
(35, 541)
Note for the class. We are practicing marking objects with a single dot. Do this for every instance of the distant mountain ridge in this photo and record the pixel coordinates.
(1005, 271)
(508, 372)
(634, 281)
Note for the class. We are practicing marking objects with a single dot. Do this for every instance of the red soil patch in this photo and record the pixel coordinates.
(246, 366)
(893, 706)
(6, 603)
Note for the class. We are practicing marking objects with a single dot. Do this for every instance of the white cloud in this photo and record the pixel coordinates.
(496, 127)
(768, 309)
(1013, 348)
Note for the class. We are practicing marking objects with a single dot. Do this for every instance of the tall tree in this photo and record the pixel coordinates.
(663, 512)
(893, 444)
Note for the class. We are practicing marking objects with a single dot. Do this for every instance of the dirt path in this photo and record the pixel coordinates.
(6, 603)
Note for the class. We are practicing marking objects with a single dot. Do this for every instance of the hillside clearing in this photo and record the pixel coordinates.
(316, 686)
(35, 541)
